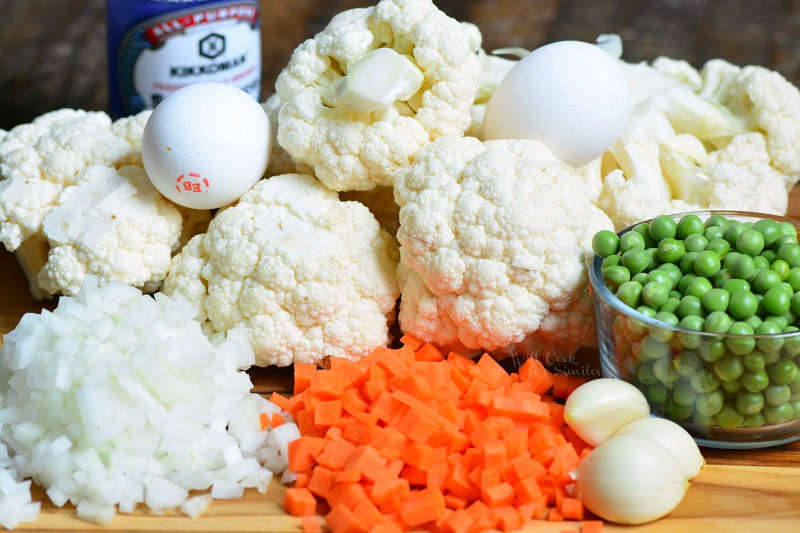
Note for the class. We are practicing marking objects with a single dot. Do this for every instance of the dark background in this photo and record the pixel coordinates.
(53, 52)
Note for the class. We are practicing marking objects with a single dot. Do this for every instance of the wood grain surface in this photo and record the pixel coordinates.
(53, 52)
(738, 491)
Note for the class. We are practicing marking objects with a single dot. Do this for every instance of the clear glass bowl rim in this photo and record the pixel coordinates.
(602, 292)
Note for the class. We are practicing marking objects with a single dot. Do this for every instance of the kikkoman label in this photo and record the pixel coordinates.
(218, 42)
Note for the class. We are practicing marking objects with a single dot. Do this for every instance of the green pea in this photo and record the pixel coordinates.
(693, 323)
(795, 385)
(765, 279)
(735, 284)
(654, 349)
(741, 341)
(742, 267)
(611, 260)
(714, 232)
(772, 357)
(662, 227)
(779, 320)
(769, 230)
(664, 334)
(706, 263)
(760, 262)
(659, 276)
(684, 394)
(641, 278)
(782, 372)
(728, 368)
(684, 282)
(676, 411)
(770, 256)
(720, 278)
(711, 350)
(780, 267)
(715, 300)
(755, 381)
(673, 272)
(717, 220)
(689, 225)
(754, 421)
(791, 345)
(728, 260)
(630, 293)
(635, 259)
(720, 246)
(698, 287)
(718, 322)
(655, 294)
(605, 243)
(776, 300)
(631, 240)
(729, 418)
(665, 371)
(787, 229)
(670, 306)
(754, 320)
(754, 361)
(767, 344)
(686, 263)
(750, 242)
(749, 403)
(704, 381)
(794, 303)
(671, 250)
(688, 306)
(742, 304)
(710, 404)
(778, 414)
(793, 278)
(695, 243)
(796, 408)
(732, 231)
(647, 311)
(645, 374)
(652, 253)
(656, 393)
(777, 394)
(675, 294)
(790, 252)
(731, 387)
(615, 276)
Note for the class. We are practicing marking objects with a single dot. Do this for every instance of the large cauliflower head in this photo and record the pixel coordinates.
(494, 238)
(74, 200)
(307, 274)
(354, 148)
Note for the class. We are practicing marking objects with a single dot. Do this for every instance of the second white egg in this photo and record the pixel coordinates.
(570, 95)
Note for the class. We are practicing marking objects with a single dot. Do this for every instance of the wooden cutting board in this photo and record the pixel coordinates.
(742, 491)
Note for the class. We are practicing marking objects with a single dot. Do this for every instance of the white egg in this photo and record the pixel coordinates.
(206, 144)
(571, 96)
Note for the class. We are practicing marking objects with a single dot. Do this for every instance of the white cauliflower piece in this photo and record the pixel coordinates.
(131, 129)
(493, 239)
(279, 161)
(717, 139)
(350, 149)
(308, 275)
(380, 201)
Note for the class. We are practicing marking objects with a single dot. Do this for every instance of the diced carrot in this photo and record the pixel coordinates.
(300, 502)
(482, 519)
(437, 473)
(368, 514)
(454, 502)
(335, 454)
(564, 462)
(516, 441)
(388, 441)
(342, 520)
(328, 413)
(498, 495)
(428, 352)
(334, 433)
(386, 407)
(519, 409)
(533, 372)
(424, 506)
(280, 400)
(352, 402)
(277, 420)
(418, 455)
(295, 404)
(411, 341)
(389, 494)
(348, 475)
(528, 491)
(303, 451)
(416, 427)
(571, 508)
(459, 484)
(302, 480)
(321, 481)
(494, 453)
(488, 370)
(415, 476)
(458, 522)
(367, 462)
(263, 419)
(349, 494)
(554, 516)
(302, 376)
(592, 526)
(310, 524)
(327, 385)
(507, 518)
(386, 526)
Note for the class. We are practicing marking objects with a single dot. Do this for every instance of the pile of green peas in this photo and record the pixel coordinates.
(739, 282)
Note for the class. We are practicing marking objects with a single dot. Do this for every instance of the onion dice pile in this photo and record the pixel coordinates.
(15, 495)
(116, 398)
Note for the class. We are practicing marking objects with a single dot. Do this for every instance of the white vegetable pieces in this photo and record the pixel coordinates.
(15, 495)
(571, 96)
(601, 407)
(378, 80)
(115, 399)
(631, 480)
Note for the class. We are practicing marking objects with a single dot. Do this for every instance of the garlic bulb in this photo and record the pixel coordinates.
(631, 480)
(601, 407)
(673, 437)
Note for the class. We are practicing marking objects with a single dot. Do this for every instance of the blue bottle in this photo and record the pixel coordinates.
(155, 47)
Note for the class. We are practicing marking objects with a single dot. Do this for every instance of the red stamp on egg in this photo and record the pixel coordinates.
(192, 182)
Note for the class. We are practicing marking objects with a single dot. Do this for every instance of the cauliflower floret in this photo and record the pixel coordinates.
(307, 274)
(131, 129)
(380, 201)
(112, 224)
(279, 161)
(493, 240)
(351, 149)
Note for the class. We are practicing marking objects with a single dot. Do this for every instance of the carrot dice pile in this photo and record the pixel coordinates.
(407, 438)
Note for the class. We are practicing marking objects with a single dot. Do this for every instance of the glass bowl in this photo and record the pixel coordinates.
(678, 370)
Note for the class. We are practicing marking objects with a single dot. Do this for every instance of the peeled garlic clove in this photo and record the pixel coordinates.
(673, 437)
(631, 480)
(601, 407)
(378, 80)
